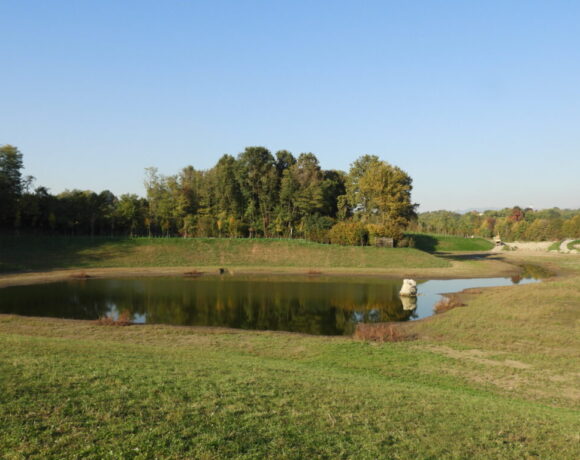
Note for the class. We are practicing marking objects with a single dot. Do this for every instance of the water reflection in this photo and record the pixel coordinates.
(321, 305)
(328, 306)
(409, 303)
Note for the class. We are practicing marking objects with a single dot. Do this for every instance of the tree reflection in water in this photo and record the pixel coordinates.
(328, 306)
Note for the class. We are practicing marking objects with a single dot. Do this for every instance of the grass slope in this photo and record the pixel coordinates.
(37, 253)
(496, 379)
(74, 389)
(442, 243)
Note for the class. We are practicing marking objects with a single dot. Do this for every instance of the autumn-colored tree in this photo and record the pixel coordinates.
(380, 193)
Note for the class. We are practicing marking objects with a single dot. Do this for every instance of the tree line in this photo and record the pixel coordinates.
(260, 194)
(255, 194)
(511, 224)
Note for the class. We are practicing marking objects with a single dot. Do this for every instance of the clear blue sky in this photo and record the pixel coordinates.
(478, 101)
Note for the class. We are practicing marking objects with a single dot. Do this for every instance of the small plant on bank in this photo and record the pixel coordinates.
(448, 303)
(124, 319)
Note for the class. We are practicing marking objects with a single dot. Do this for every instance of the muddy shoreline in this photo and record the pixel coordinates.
(458, 270)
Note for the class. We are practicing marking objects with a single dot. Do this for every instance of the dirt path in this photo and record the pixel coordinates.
(534, 246)
(564, 247)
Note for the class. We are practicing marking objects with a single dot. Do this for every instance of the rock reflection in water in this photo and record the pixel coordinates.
(409, 303)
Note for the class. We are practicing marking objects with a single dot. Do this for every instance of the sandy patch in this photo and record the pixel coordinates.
(533, 246)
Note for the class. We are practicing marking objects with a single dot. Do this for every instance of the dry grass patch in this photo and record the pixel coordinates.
(381, 332)
(448, 302)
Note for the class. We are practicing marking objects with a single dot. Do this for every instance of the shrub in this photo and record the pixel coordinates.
(390, 229)
(124, 319)
(349, 234)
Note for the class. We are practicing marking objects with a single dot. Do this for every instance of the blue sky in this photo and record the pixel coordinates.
(478, 101)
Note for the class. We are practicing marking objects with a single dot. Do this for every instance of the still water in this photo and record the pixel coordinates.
(313, 305)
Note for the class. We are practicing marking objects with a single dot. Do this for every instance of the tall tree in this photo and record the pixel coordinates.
(379, 193)
(258, 179)
(11, 185)
(130, 212)
(301, 191)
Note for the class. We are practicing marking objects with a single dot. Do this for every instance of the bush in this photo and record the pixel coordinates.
(349, 234)
(390, 229)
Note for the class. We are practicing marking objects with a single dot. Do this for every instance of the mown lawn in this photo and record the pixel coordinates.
(441, 243)
(38, 253)
(73, 389)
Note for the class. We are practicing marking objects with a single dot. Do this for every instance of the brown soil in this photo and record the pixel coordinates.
(462, 268)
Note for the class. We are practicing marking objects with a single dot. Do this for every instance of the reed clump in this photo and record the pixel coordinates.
(124, 319)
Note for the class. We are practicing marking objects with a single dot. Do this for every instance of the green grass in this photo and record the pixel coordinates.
(77, 390)
(443, 243)
(496, 379)
(573, 244)
(555, 246)
(38, 253)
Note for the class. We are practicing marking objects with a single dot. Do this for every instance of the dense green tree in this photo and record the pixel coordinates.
(11, 184)
(258, 194)
(259, 183)
(380, 194)
(284, 159)
(229, 199)
(302, 191)
(130, 213)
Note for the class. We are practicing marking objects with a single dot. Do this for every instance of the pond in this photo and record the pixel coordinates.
(319, 305)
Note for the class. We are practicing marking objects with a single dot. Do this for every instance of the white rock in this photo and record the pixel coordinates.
(409, 303)
(409, 288)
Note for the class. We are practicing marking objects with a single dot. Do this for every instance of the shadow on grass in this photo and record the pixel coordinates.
(469, 256)
(24, 253)
(424, 242)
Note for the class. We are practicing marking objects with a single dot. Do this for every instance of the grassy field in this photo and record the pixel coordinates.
(573, 244)
(443, 243)
(41, 253)
(496, 379)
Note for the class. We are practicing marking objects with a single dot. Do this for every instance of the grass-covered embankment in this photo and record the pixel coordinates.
(40, 253)
(442, 243)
